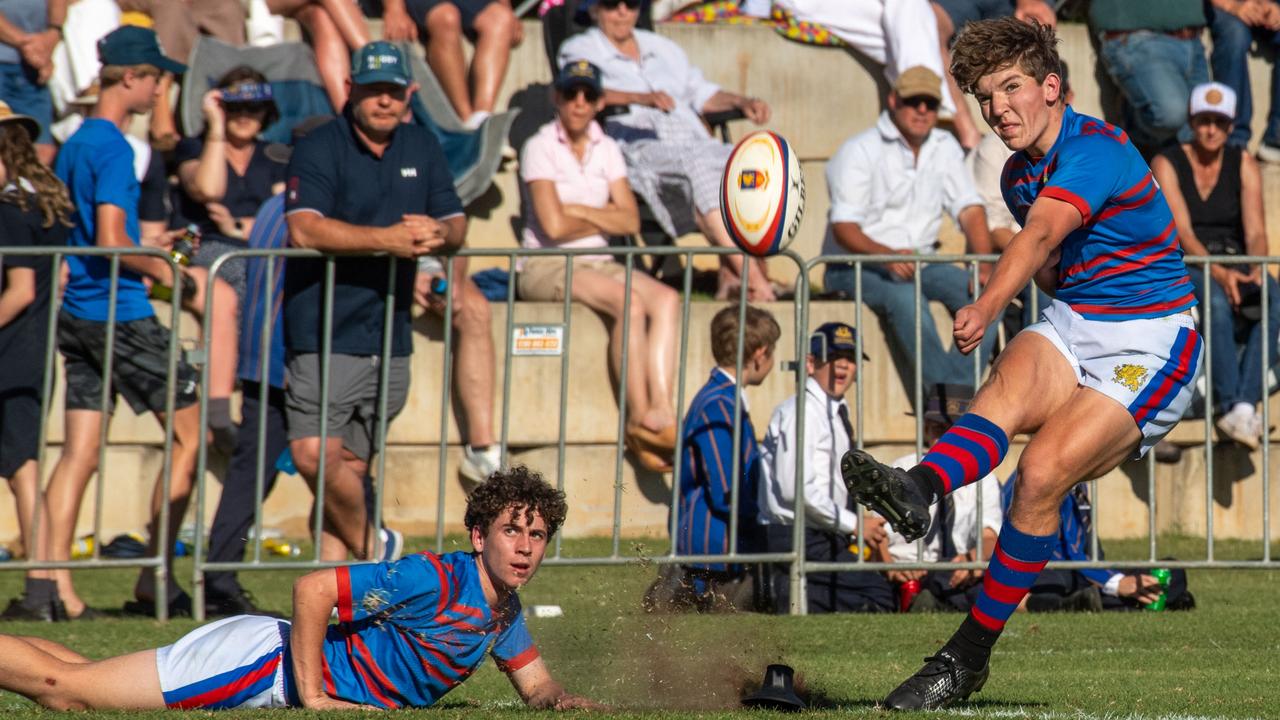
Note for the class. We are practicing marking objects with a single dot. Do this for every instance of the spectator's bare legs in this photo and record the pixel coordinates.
(186, 444)
(224, 333)
(497, 31)
(662, 306)
(344, 508)
(759, 289)
(61, 679)
(966, 129)
(473, 370)
(25, 484)
(444, 54)
(77, 464)
(336, 28)
(607, 296)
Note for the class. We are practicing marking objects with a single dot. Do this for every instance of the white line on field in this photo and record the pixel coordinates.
(1075, 715)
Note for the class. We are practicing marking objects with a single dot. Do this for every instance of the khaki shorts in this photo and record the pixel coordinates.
(542, 279)
(353, 398)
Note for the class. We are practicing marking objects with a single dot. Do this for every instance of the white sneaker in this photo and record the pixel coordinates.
(477, 119)
(1268, 153)
(392, 544)
(478, 465)
(1244, 428)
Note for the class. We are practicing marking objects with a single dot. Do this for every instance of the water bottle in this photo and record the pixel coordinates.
(82, 548)
(1162, 576)
(181, 252)
(284, 463)
(276, 546)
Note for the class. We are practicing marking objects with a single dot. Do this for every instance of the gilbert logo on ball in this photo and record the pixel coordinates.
(762, 194)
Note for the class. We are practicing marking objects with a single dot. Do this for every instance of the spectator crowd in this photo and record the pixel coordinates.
(94, 154)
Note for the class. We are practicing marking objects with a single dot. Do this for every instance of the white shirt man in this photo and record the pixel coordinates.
(829, 523)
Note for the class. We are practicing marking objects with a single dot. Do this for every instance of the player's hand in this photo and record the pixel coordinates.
(970, 327)
(1037, 10)
(756, 110)
(575, 702)
(660, 100)
(325, 702)
(397, 26)
(1143, 588)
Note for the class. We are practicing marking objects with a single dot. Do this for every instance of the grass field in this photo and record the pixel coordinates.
(1221, 660)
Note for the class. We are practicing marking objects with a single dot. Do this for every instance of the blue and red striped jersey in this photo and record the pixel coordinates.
(1124, 262)
(412, 630)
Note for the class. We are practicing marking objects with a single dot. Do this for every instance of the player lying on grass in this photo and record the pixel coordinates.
(408, 631)
(1103, 376)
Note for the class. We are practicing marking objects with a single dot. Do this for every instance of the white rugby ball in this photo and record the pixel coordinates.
(762, 194)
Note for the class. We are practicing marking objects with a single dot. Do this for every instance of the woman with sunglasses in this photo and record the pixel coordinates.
(666, 144)
(1215, 192)
(224, 177)
(575, 192)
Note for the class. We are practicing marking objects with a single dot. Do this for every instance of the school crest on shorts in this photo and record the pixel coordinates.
(1130, 375)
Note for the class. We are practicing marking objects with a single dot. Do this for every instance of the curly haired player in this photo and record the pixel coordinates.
(407, 632)
(1103, 376)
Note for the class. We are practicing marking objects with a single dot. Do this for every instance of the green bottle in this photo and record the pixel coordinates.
(1162, 576)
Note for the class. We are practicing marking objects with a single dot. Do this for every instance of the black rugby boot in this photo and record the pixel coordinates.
(941, 682)
(889, 491)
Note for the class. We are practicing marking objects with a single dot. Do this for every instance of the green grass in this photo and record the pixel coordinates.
(1221, 660)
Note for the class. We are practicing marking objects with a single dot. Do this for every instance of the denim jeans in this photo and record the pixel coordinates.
(20, 87)
(1232, 40)
(1155, 73)
(1237, 368)
(893, 300)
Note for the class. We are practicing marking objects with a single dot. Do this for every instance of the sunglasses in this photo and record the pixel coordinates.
(247, 108)
(915, 101)
(590, 94)
(1221, 121)
(611, 4)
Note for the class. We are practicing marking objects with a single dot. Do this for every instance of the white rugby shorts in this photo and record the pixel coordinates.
(236, 662)
(1149, 366)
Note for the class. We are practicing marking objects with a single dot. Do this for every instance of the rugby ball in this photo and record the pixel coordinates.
(762, 194)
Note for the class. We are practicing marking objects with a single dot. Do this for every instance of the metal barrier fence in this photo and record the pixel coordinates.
(629, 257)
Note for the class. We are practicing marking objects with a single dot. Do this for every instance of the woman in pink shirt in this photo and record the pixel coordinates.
(575, 193)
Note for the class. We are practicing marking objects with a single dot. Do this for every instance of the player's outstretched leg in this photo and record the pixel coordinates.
(961, 667)
(970, 449)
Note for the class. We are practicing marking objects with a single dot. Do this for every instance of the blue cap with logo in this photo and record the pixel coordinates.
(832, 340)
(133, 45)
(579, 72)
(379, 62)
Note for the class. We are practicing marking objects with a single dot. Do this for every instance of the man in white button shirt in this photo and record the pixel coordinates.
(956, 523)
(830, 524)
(889, 187)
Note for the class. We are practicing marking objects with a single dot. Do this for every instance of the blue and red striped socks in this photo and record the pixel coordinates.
(1014, 567)
(965, 453)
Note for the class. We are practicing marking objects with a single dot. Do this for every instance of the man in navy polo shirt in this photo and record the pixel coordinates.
(364, 183)
(97, 166)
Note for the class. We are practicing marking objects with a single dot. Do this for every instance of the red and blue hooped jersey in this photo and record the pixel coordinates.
(1124, 262)
(412, 630)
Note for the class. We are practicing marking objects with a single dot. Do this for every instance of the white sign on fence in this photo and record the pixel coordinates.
(537, 340)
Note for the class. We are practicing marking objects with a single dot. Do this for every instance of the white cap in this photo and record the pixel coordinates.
(1213, 98)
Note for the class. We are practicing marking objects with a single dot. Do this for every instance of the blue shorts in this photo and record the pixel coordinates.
(967, 11)
(25, 96)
